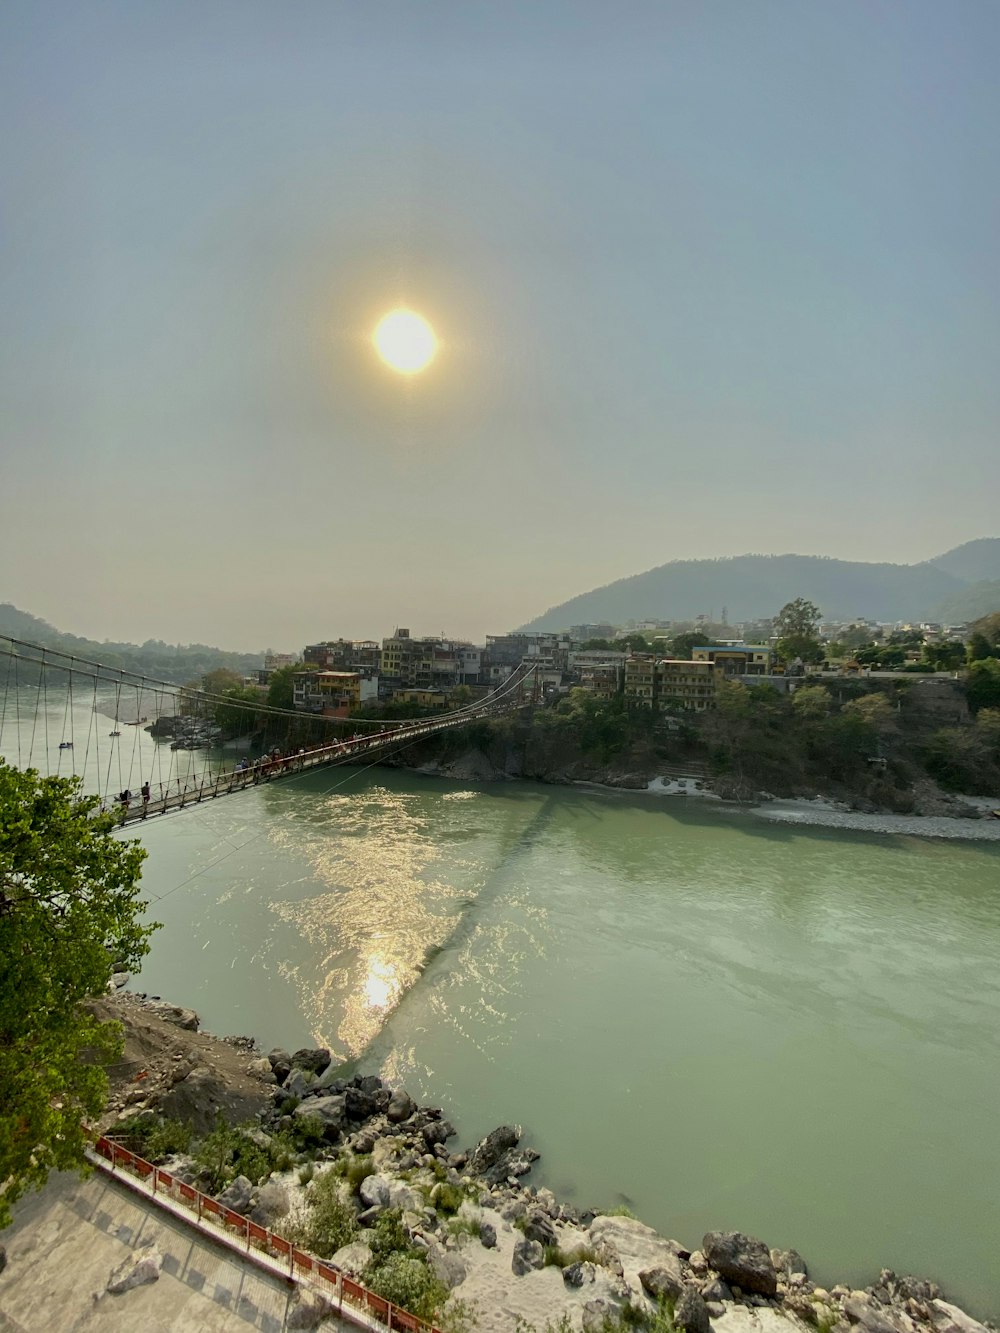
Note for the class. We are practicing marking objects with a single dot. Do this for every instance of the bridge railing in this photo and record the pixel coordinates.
(236, 779)
(352, 1298)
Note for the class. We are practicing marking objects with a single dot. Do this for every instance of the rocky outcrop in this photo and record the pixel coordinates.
(742, 1260)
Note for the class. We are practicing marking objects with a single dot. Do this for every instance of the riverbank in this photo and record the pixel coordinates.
(941, 814)
(505, 1251)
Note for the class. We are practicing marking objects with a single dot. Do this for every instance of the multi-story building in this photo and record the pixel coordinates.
(650, 682)
(693, 685)
(736, 659)
(333, 693)
(640, 680)
(602, 679)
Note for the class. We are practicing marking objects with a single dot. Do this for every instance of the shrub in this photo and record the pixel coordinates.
(306, 1173)
(408, 1282)
(357, 1170)
(331, 1222)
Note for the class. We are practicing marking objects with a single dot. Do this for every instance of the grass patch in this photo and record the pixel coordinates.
(621, 1210)
(557, 1257)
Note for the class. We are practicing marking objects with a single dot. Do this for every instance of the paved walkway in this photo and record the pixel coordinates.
(65, 1242)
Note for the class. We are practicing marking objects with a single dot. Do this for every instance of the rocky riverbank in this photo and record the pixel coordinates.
(500, 1252)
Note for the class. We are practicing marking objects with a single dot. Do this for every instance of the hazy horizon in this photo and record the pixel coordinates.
(707, 280)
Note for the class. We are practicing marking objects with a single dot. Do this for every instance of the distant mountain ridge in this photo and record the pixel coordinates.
(179, 663)
(754, 587)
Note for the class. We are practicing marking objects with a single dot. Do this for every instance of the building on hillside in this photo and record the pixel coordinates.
(602, 679)
(736, 659)
(333, 693)
(640, 680)
(651, 682)
(424, 698)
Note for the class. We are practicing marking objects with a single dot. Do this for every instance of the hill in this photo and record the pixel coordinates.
(973, 562)
(978, 599)
(753, 587)
(173, 662)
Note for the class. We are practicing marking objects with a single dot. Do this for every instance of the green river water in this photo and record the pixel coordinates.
(722, 1022)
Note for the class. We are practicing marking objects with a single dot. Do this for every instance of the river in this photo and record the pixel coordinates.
(722, 1022)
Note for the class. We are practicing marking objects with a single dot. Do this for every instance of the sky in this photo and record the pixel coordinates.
(708, 278)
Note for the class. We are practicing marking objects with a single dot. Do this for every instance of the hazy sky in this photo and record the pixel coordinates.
(709, 277)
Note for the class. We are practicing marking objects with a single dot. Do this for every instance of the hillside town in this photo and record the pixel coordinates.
(653, 663)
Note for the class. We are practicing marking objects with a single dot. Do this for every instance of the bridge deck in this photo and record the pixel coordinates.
(236, 780)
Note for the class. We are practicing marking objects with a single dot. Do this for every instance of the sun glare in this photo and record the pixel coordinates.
(405, 341)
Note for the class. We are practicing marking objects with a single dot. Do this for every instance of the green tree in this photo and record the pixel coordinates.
(235, 713)
(69, 914)
(280, 686)
(797, 626)
(945, 656)
(980, 647)
(983, 684)
(682, 644)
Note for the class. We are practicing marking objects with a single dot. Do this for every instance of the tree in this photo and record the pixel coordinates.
(281, 686)
(982, 686)
(945, 656)
(797, 626)
(69, 915)
(682, 644)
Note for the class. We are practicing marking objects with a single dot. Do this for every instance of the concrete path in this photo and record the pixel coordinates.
(65, 1242)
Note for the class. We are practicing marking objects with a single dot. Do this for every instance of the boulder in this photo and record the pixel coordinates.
(202, 1095)
(716, 1291)
(313, 1058)
(598, 1315)
(950, 1319)
(578, 1274)
(359, 1103)
(538, 1226)
(272, 1203)
(173, 1013)
(665, 1281)
(436, 1132)
(445, 1264)
(489, 1150)
(280, 1062)
(353, 1258)
(401, 1106)
(487, 1237)
(236, 1195)
(328, 1110)
(635, 1246)
(742, 1260)
(299, 1083)
(789, 1262)
(404, 1196)
(370, 1083)
(528, 1255)
(691, 1312)
(374, 1191)
(261, 1069)
(139, 1267)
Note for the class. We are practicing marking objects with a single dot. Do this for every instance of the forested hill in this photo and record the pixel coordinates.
(751, 587)
(165, 661)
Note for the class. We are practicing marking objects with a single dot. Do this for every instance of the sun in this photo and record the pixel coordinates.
(405, 341)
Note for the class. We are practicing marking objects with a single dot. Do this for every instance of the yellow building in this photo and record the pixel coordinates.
(340, 692)
(640, 674)
(736, 659)
(693, 685)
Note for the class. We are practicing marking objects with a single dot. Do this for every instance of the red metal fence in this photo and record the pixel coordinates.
(344, 1289)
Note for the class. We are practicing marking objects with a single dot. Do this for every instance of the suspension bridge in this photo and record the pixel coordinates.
(149, 747)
